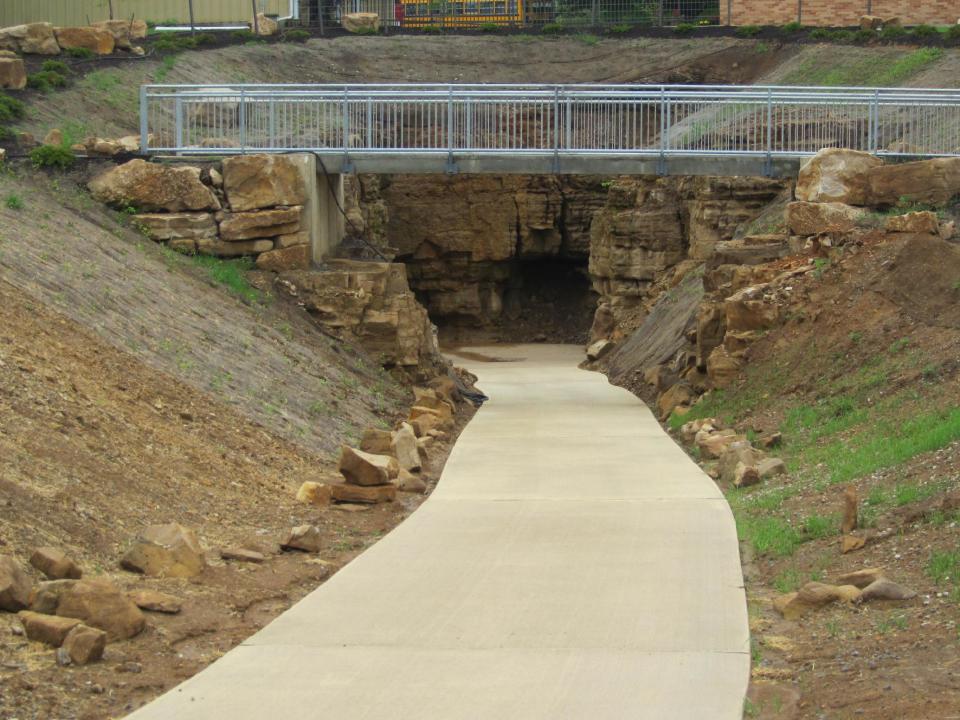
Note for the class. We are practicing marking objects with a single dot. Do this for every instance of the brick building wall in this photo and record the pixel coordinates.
(839, 12)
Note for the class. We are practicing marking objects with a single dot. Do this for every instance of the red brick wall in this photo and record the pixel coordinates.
(840, 12)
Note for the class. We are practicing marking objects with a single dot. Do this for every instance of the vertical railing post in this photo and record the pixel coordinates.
(345, 129)
(178, 122)
(768, 162)
(144, 125)
(874, 139)
(664, 125)
(468, 112)
(660, 13)
(451, 165)
(556, 130)
(800, 12)
(272, 123)
(243, 121)
(370, 123)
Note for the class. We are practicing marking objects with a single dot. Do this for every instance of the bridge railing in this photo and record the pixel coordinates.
(664, 120)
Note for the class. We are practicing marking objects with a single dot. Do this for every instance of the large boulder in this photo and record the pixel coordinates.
(809, 218)
(361, 22)
(837, 175)
(101, 604)
(265, 26)
(170, 550)
(124, 32)
(254, 182)
(153, 187)
(260, 224)
(13, 74)
(45, 597)
(360, 468)
(167, 226)
(15, 585)
(934, 181)
(31, 39)
(95, 39)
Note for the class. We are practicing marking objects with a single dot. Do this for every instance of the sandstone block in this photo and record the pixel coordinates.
(45, 597)
(364, 494)
(303, 537)
(915, 222)
(100, 604)
(851, 510)
(292, 240)
(156, 601)
(260, 223)
(739, 452)
(55, 564)
(745, 475)
(124, 32)
(404, 446)
(15, 585)
(154, 187)
(314, 493)
(31, 39)
(410, 482)
(360, 468)
(252, 182)
(934, 181)
(836, 175)
(722, 368)
(167, 226)
(361, 22)
(13, 74)
(265, 26)
(49, 629)
(84, 644)
(281, 260)
(170, 550)
(813, 218)
(97, 40)
(242, 555)
(378, 442)
(849, 543)
(769, 467)
(883, 589)
(599, 348)
(746, 310)
(235, 248)
(681, 394)
(861, 578)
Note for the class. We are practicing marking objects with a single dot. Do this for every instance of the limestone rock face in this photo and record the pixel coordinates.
(254, 182)
(55, 564)
(260, 224)
(837, 175)
(167, 226)
(13, 74)
(808, 218)
(154, 187)
(170, 550)
(361, 22)
(15, 585)
(97, 40)
(934, 181)
(374, 303)
(31, 39)
(100, 604)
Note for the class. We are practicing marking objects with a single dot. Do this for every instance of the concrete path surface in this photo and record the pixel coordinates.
(572, 563)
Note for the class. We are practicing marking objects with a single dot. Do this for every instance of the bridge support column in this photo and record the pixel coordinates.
(322, 218)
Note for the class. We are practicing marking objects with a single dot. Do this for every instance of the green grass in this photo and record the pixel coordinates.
(231, 274)
(789, 580)
(868, 70)
(110, 86)
(49, 156)
(944, 566)
(13, 202)
(166, 65)
(768, 535)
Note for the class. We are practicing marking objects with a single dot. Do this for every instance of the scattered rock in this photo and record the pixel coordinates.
(793, 606)
(154, 187)
(167, 226)
(771, 440)
(837, 175)
(303, 537)
(170, 550)
(376, 441)
(851, 509)
(15, 585)
(242, 555)
(410, 482)
(745, 475)
(599, 348)
(914, 222)
(156, 601)
(100, 604)
(46, 595)
(13, 74)
(361, 22)
(769, 467)
(253, 182)
(54, 564)
(681, 394)
(849, 543)
(314, 493)
(84, 645)
(883, 589)
(371, 494)
(739, 452)
(714, 445)
(49, 629)
(360, 468)
(404, 448)
(861, 578)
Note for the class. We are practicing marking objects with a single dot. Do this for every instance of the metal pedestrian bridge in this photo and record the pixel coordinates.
(545, 129)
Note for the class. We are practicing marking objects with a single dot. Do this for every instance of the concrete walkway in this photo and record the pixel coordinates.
(572, 563)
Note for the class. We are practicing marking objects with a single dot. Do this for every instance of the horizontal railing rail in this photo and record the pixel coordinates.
(558, 120)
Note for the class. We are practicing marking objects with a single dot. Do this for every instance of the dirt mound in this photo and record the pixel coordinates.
(924, 280)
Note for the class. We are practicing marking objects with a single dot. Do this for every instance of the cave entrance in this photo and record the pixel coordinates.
(546, 299)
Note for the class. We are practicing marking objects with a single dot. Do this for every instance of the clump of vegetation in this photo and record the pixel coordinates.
(231, 274)
(52, 156)
(588, 39)
(552, 29)
(953, 32)
(925, 32)
(13, 202)
(431, 29)
(175, 42)
(685, 29)
(80, 53)
(488, 27)
(55, 66)
(296, 36)
(10, 109)
(892, 32)
(46, 80)
(244, 35)
(620, 29)
(748, 31)
(792, 27)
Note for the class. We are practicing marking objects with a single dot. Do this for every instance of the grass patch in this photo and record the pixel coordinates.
(768, 535)
(868, 70)
(13, 202)
(944, 566)
(230, 274)
(820, 526)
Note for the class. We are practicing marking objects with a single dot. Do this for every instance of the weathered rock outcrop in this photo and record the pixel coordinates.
(167, 550)
(836, 175)
(255, 182)
(97, 40)
(32, 39)
(154, 187)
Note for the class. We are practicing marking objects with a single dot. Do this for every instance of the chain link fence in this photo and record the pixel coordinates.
(489, 14)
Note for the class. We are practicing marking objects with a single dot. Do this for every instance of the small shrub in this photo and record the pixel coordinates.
(821, 34)
(10, 108)
(953, 32)
(244, 35)
(620, 29)
(863, 36)
(588, 39)
(747, 31)
(81, 53)
(792, 27)
(46, 80)
(13, 202)
(685, 29)
(925, 32)
(944, 567)
(892, 32)
(205, 38)
(487, 27)
(49, 156)
(431, 29)
(55, 66)
(552, 29)
(297, 36)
